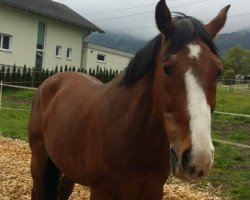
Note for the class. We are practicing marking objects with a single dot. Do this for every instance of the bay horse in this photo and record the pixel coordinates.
(122, 138)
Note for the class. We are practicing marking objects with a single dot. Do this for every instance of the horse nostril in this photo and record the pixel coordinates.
(174, 160)
(186, 159)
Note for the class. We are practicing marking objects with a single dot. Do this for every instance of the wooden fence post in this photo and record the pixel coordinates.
(1, 91)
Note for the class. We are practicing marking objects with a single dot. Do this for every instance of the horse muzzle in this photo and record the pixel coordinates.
(191, 166)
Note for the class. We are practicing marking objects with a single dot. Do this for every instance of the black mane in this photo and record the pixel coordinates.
(185, 30)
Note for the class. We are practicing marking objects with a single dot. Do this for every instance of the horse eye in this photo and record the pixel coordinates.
(168, 70)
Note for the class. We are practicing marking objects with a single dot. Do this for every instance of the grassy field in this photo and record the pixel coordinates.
(231, 170)
(14, 123)
(230, 173)
(233, 102)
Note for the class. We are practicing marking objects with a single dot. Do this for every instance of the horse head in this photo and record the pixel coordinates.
(187, 67)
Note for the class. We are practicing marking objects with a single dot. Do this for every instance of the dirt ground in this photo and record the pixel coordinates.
(15, 179)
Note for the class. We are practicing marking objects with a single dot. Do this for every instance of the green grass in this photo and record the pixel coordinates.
(232, 102)
(14, 123)
(17, 98)
(231, 128)
(231, 170)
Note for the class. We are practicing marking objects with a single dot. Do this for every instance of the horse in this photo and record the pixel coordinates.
(122, 139)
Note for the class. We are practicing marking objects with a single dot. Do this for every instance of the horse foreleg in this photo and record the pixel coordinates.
(66, 188)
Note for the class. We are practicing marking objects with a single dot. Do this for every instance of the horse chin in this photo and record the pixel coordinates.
(179, 173)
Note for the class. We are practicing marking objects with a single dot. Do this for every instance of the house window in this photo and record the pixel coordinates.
(40, 36)
(100, 58)
(40, 45)
(58, 51)
(69, 53)
(39, 60)
(5, 42)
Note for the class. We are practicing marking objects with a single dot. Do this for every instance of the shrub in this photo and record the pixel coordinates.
(229, 77)
(7, 75)
(34, 77)
(2, 73)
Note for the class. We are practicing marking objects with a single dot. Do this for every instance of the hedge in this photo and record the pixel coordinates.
(32, 77)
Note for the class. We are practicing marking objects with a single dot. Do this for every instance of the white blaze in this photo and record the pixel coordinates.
(194, 50)
(200, 122)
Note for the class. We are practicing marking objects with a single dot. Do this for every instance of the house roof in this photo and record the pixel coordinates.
(53, 10)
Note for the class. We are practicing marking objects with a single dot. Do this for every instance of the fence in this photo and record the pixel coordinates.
(231, 88)
(16, 87)
(235, 86)
(26, 109)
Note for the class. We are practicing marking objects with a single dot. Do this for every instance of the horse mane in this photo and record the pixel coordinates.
(186, 28)
(143, 61)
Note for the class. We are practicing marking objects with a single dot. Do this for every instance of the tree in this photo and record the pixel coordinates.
(24, 75)
(90, 71)
(18, 76)
(43, 77)
(66, 68)
(36, 76)
(2, 73)
(47, 73)
(7, 75)
(93, 72)
(13, 75)
(237, 59)
(51, 73)
(229, 77)
(97, 72)
(29, 78)
(56, 69)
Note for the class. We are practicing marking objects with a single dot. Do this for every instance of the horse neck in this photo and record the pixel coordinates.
(134, 107)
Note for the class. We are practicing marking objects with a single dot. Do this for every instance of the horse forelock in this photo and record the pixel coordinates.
(186, 29)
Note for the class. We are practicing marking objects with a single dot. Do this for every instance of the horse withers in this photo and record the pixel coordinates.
(121, 139)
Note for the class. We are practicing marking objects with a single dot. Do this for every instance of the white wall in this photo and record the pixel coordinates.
(23, 26)
(113, 60)
(64, 35)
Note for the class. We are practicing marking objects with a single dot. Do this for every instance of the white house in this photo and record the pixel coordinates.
(95, 55)
(42, 33)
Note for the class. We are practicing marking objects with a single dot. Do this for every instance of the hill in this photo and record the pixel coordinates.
(227, 40)
(128, 43)
(123, 42)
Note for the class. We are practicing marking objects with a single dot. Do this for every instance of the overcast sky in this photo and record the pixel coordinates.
(113, 14)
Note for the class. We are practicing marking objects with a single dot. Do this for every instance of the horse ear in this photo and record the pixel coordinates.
(163, 18)
(216, 24)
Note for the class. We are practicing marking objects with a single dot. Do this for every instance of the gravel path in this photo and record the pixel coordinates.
(15, 180)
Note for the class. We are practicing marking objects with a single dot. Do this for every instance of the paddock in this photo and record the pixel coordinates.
(14, 114)
(15, 179)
